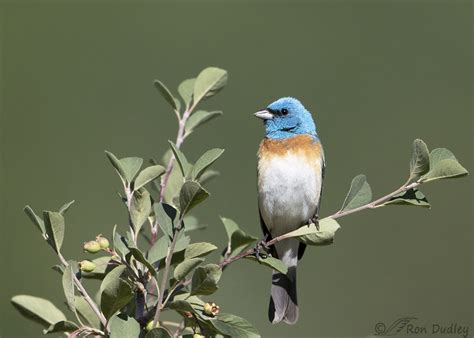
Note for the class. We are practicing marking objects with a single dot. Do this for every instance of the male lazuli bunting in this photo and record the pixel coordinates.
(290, 178)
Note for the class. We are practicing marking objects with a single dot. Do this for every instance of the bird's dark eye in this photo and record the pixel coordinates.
(284, 111)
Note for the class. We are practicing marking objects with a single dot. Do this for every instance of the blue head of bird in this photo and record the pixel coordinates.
(287, 117)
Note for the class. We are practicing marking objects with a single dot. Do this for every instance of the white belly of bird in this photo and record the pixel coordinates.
(289, 191)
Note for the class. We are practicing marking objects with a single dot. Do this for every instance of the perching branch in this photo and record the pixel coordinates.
(338, 214)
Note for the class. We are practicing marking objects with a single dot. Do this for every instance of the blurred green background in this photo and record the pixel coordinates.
(76, 78)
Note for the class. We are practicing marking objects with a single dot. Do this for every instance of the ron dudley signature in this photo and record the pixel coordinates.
(410, 326)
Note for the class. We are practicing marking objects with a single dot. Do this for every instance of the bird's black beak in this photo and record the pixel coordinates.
(264, 114)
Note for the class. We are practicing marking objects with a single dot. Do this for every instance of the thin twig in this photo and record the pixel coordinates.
(336, 215)
(179, 141)
(165, 274)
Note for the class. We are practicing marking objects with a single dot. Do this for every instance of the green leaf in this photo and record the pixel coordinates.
(359, 194)
(208, 83)
(420, 161)
(230, 226)
(183, 163)
(184, 268)
(158, 332)
(65, 207)
(138, 255)
(140, 208)
(119, 242)
(68, 286)
(61, 326)
(159, 250)
(199, 118)
(240, 240)
(208, 176)
(191, 223)
(38, 309)
(443, 164)
(117, 165)
(54, 224)
(199, 249)
(191, 194)
(180, 305)
(115, 291)
(131, 166)
(205, 279)
(147, 175)
(234, 326)
(208, 158)
(166, 216)
(123, 326)
(410, 197)
(185, 89)
(86, 313)
(173, 102)
(38, 221)
(271, 262)
(310, 235)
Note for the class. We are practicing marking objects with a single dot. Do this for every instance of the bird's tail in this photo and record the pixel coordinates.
(283, 300)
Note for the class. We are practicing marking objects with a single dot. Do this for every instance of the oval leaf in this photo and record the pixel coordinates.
(86, 313)
(38, 221)
(359, 194)
(61, 326)
(190, 195)
(443, 164)
(209, 82)
(158, 332)
(38, 309)
(198, 118)
(117, 165)
(115, 291)
(68, 286)
(180, 158)
(123, 326)
(184, 268)
(185, 89)
(208, 158)
(410, 197)
(420, 160)
(233, 326)
(199, 249)
(271, 262)
(54, 225)
(140, 208)
(147, 175)
(164, 91)
(205, 279)
(131, 166)
(310, 235)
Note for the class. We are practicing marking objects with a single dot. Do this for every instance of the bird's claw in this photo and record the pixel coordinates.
(262, 246)
(314, 220)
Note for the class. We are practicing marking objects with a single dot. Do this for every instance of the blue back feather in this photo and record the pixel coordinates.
(298, 121)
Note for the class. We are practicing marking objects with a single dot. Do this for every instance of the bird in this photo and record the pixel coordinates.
(290, 174)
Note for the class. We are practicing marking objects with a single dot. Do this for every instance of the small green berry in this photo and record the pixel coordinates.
(103, 242)
(87, 266)
(197, 335)
(92, 247)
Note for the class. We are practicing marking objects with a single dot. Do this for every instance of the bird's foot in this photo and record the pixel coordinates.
(262, 246)
(315, 220)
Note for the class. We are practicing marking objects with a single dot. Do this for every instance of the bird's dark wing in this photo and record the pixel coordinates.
(302, 246)
(267, 235)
